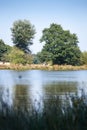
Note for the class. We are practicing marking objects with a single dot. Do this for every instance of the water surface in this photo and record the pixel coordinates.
(23, 88)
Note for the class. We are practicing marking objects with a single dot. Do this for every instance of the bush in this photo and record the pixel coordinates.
(16, 56)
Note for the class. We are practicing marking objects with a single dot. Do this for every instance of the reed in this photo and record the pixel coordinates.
(56, 115)
(42, 67)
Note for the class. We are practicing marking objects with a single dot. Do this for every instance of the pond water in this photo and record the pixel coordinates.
(22, 88)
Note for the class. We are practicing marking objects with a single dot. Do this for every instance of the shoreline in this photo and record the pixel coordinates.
(42, 67)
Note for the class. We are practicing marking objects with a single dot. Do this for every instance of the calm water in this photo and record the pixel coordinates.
(22, 88)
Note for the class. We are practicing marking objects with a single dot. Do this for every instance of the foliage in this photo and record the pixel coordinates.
(17, 56)
(84, 57)
(60, 46)
(22, 34)
(4, 49)
(36, 59)
(44, 56)
(55, 115)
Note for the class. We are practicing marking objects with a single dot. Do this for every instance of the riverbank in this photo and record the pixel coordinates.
(42, 67)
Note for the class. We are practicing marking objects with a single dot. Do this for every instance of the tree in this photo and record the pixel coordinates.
(84, 57)
(60, 46)
(17, 56)
(35, 59)
(3, 50)
(23, 34)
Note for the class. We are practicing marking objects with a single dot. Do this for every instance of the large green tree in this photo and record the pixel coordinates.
(22, 34)
(60, 46)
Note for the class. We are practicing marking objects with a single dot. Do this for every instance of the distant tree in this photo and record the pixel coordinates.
(60, 46)
(22, 34)
(3, 50)
(36, 59)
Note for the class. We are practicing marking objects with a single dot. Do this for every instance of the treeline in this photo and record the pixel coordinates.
(60, 46)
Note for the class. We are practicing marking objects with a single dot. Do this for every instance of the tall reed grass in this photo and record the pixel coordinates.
(42, 67)
(56, 115)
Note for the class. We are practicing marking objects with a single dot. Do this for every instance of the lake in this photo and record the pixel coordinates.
(23, 88)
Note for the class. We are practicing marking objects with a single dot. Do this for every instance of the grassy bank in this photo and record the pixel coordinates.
(55, 116)
(42, 67)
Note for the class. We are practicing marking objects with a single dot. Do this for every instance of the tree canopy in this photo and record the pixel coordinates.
(60, 46)
(22, 34)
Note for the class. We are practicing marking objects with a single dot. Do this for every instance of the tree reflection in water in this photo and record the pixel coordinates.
(61, 91)
(21, 97)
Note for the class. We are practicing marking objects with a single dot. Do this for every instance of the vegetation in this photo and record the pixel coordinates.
(17, 56)
(23, 34)
(4, 49)
(55, 115)
(60, 46)
(36, 59)
(84, 58)
(30, 66)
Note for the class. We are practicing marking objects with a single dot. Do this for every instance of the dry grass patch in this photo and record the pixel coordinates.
(42, 67)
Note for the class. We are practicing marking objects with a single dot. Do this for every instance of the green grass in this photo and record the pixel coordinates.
(56, 115)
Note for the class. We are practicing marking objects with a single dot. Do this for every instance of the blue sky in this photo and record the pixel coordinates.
(71, 14)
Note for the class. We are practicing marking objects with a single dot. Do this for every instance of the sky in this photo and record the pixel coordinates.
(70, 14)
